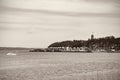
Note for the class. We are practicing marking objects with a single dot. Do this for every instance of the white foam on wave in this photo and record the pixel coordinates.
(12, 54)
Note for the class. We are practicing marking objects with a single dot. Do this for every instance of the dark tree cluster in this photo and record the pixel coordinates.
(74, 43)
(106, 43)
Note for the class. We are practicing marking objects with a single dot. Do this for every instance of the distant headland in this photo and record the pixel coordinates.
(103, 44)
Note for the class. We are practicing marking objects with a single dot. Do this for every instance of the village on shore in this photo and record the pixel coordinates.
(104, 44)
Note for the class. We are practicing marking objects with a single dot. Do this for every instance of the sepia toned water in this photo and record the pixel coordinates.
(60, 66)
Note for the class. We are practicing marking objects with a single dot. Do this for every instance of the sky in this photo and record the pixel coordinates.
(38, 23)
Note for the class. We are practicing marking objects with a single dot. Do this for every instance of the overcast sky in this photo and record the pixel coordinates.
(38, 23)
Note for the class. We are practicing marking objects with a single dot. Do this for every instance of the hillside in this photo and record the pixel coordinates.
(108, 43)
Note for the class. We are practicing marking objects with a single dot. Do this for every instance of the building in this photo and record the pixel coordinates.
(92, 36)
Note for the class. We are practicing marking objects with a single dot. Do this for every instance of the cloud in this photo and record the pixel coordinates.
(82, 6)
(33, 22)
(61, 13)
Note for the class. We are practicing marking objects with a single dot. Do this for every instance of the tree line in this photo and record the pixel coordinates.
(107, 43)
